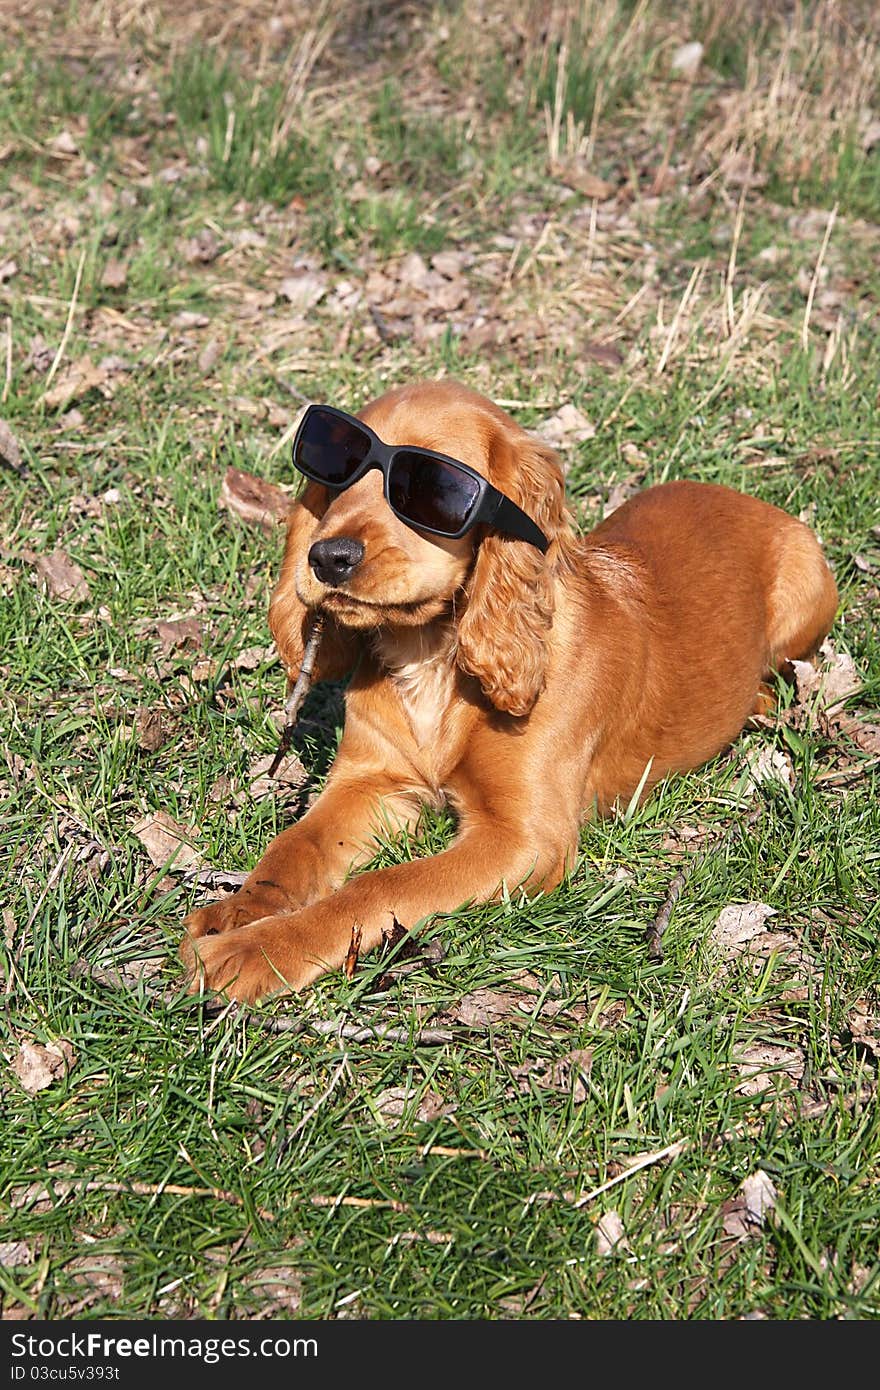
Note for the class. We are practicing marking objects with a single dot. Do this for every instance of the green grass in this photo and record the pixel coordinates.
(189, 1157)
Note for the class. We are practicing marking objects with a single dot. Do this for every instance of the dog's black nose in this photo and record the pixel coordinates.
(335, 560)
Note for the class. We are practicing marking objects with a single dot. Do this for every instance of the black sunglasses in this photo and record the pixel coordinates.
(425, 490)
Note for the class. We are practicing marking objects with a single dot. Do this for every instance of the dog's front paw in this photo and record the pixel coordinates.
(247, 905)
(246, 964)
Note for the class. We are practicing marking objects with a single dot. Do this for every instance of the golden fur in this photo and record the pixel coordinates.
(526, 691)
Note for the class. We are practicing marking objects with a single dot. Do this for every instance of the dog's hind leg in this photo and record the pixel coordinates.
(801, 606)
(802, 601)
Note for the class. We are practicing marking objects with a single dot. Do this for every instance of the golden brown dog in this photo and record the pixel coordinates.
(526, 690)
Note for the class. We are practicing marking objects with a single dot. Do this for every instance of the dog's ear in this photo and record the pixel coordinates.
(509, 599)
(289, 619)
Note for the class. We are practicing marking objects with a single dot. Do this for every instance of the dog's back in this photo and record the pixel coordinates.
(725, 589)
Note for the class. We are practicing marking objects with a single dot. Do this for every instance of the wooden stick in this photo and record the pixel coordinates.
(654, 933)
(304, 679)
(299, 692)
(636, 1166)
(63, 1187)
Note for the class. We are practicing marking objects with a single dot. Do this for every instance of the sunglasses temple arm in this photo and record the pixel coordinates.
(511, 519)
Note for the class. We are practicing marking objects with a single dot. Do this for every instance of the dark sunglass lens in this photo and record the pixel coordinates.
(330, 449)
(431, 493)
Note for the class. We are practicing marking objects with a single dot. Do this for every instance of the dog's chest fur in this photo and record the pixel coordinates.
(420, 663)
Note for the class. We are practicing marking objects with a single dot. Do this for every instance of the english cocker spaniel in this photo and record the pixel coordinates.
(499, 663)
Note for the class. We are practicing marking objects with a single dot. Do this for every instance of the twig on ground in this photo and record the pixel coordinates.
(811, 1109)
(319, 1200)
(299, 692)
(645, 1161)
(654, 933)
(847, 775)
(64, 1187)
(270, 1023)
(354, 1032)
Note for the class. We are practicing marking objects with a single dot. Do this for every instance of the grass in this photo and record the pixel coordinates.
(198, 1164)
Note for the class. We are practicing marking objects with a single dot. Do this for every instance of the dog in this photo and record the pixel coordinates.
(525, 676)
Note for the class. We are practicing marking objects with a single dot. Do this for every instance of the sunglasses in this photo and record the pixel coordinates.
(425, 490)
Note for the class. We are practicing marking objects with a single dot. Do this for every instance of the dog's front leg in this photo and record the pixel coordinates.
(313, 857)
(289, 951)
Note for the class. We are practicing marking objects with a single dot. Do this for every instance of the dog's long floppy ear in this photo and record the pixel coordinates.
(509, 599)
(289, 619)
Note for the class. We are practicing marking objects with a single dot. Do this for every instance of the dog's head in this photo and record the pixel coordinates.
(348, 555)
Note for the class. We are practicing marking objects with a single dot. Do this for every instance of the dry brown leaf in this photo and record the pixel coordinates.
(610, 1234)
(570, 1073)
(62, 577)
(759, 1063)
(864, 1025)
(865, 736)
(210, 355)
(114, 275)
(832, 683)
(10, 450)
(575, 174)
(768, 764)
(686, 60)
(567, 427)
(187, 318)
(63, 143)
(178, 632)
(200, 249)
(621, 492)
(304, 290)
(168, 843)
(37, 1066)
(487, 1006)
(74, 382)
(395, 1100)
(738, 923)
(609, 354)
(745, 1214)
(149, 729)
(14, 1253)
(253, 499)
(251, 658)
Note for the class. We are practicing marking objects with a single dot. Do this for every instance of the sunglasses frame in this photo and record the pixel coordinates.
(491, 507)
